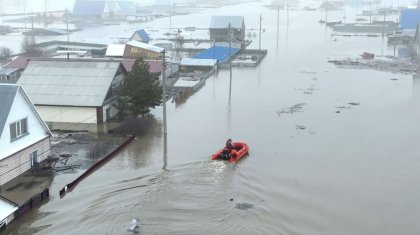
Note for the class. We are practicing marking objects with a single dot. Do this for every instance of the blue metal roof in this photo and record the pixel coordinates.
(409, 18)
(88, 7)
(216, 52)
(143, 35)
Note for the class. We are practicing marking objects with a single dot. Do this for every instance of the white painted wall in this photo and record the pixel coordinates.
(67, 114)
(20, 110)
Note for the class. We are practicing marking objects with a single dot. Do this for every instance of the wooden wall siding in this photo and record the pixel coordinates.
(18, 163)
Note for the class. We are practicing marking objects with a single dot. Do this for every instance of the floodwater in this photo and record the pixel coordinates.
(332, 151)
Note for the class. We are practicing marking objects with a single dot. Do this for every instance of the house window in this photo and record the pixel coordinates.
(18, 129)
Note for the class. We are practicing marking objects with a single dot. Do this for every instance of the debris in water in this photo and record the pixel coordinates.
(134, 226)
(244, 206)
(352, 103)
(300, 127)
(293, 109)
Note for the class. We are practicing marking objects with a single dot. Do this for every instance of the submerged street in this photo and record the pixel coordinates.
(332, 150)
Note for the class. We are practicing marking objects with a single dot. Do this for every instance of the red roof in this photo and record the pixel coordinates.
(20, 62)
(155, 65)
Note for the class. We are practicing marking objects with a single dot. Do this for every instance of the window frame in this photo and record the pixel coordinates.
(18, 129)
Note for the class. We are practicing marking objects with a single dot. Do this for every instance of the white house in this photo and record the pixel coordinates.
(24, 137)
(69, 92)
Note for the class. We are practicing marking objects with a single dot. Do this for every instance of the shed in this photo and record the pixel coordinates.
(7, 209)
(221, 54)
(219, 28)
(135, 49)
(191, 64)
(115, 50)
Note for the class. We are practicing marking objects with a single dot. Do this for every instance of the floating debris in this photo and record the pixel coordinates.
(352, 103)
(408, 66)
(244, 206)
(134, 226)
(300, 127)
(292, 109)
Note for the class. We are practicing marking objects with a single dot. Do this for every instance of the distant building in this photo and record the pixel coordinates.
(9, 75)
(134, 49)
(332, 5)
(73, 91)
(51, 47)
(141, 36)
(219, 28)
(24, 137)
(103, 8)
(409, 18)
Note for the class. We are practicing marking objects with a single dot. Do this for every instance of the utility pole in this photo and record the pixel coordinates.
(165, 132)
(170, 17)
(259, 45)
(370, 13)
(383, 25)
(326, 17)
(287, 6)
(278, 23)
(67, 19)
(230, 62)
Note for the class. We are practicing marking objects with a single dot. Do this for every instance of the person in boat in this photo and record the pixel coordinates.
(227, 151)
(229, 145)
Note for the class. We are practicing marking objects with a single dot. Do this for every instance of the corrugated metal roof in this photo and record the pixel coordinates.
(6, 208)
(221, 22)
(186, 83)
(409, 18)
(8, 71)
(219, 53)
(87, 7)
(146, 46)
(198, 62)
(20, 62)
(143, 35)
(68, 83)
(7, 96)
(115, 50)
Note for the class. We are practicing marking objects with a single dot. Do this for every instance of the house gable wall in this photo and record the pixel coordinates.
(21, 109)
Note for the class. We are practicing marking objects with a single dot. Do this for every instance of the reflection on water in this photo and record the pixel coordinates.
(351, 174)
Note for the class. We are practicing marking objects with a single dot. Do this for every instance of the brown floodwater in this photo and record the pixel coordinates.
(332, 151)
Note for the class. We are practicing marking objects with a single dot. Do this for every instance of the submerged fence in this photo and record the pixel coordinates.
(94, 167)
(33, 201)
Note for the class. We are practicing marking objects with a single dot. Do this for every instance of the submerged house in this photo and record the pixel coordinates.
(24, 136)
(219, 28)
(73, 91)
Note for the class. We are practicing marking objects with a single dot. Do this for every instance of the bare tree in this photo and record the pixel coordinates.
(5, 54)
(28, 46)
